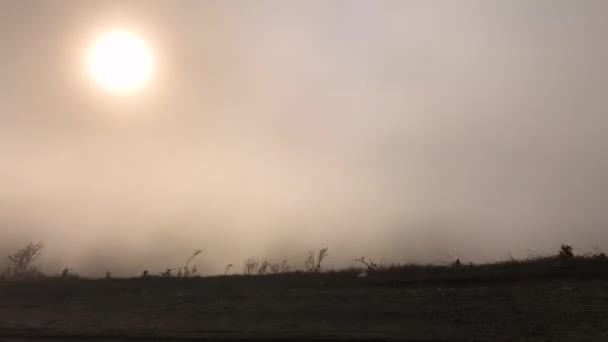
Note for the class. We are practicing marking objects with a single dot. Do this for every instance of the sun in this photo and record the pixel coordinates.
(120, 62)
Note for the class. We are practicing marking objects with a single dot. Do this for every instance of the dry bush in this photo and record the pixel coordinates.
(67, 274)
(370, 264)
(309, 262)
(258, 266)
(168, 273)
(312, 264)
(184, 271)
(187, 271)
(228, 268)
(565, 252)
(263, 267)
(321, 257)
(250, 266)
(19, 264)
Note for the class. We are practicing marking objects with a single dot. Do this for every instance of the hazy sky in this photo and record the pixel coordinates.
(398, 130)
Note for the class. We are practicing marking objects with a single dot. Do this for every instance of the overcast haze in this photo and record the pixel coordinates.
(405, 131)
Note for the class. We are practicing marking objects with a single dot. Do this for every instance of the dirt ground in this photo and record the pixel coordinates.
(305, 307)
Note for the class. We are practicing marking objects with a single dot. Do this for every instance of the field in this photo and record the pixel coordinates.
(537, 300)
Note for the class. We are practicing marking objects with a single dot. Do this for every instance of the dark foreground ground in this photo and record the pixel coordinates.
(536, 301)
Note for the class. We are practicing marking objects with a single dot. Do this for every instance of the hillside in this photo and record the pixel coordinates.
(545, 299)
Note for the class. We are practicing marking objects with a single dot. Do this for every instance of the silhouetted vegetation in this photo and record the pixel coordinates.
(312, 264)
(255, 266)
(565, 252)
(227, 268)
(167, 273)
(187, 271)
(508, 299)
(369, 264)
(564, 262)
(182, 271)
(250, 266)
(20, 263)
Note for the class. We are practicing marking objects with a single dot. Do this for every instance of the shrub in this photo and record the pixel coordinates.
(263, 267)
(312, 265)
(322, 255)
(565, 252)
(20, 262)
(228, 268)
(167, 273)
(250, 265)
(66, 274)
(371, 265)
(187, 271)
(258, 266)
(309, 262)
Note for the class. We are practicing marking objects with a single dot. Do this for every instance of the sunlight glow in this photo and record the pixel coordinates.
(120, 62)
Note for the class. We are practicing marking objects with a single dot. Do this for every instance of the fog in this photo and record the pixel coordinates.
(403, 131)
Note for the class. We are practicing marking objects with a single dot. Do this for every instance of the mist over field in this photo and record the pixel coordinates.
(404, 131)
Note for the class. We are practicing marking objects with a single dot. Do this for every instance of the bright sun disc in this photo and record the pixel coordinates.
(120, 62)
